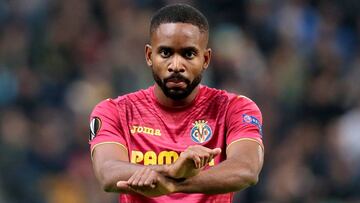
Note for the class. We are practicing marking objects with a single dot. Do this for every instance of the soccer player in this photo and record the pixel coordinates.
(178, 140)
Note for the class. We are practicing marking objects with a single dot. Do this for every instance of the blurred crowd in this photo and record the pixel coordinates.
(299, 60)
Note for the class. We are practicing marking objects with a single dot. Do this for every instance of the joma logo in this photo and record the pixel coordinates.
(145, 130)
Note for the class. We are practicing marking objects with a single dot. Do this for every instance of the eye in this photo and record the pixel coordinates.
(165, 53)
(189, 54)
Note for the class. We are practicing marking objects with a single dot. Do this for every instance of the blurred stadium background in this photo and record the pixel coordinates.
(299, 60)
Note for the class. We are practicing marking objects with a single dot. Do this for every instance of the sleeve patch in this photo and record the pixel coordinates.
(252, 120)
(95, 126)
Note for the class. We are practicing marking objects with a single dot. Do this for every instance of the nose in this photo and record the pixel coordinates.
(176, 65)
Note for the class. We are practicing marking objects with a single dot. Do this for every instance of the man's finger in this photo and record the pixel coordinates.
(203, 160)
(122, 185)
(197, 161)
(134, 175)
(207, 159)
(144, 177)
(216, 151)
(151, 179)
(138, 177)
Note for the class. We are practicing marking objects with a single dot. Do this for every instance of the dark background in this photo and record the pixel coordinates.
(297, 59)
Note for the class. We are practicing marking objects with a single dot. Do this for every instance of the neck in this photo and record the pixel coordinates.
(168, 102)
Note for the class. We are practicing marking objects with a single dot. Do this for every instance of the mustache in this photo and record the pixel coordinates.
(177, 77)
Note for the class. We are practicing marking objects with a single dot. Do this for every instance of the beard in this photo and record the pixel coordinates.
(177, 93)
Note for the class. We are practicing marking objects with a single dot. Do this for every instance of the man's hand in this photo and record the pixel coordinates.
(148, 182)
(191, 161)
(151, 183)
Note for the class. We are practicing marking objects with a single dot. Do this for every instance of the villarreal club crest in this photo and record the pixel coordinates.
(200, 132)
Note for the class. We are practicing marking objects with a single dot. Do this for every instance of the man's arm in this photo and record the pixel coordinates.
(150, 183)
(111, 164)
(240, 170)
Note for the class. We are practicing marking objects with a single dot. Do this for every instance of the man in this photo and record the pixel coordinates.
(177, 141)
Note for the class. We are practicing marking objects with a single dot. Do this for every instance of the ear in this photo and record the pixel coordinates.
(148, 52)
(207, 58)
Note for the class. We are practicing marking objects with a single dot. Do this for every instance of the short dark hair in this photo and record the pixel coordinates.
(179, 13)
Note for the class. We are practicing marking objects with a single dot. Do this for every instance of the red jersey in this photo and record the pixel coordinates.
(155, 134)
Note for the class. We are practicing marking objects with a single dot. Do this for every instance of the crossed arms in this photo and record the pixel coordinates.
(240, 170)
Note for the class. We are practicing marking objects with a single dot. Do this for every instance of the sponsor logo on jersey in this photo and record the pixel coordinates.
(95, 126)
(252, 120)
(200, 132)
(151, 158)
(146, 130)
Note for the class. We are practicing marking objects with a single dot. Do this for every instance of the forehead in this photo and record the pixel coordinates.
(178, 34)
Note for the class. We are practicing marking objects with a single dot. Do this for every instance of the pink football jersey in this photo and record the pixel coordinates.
(154, 134)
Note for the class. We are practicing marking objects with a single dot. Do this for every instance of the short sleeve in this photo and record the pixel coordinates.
(105, 126)
(244, 121)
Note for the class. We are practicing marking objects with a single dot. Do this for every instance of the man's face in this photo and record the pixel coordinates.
(178, 56)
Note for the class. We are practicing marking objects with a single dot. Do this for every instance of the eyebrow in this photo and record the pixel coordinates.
(164, 47)
(189, 48)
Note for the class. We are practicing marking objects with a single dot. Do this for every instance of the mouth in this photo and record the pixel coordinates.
(177, 79)
(176, 83)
